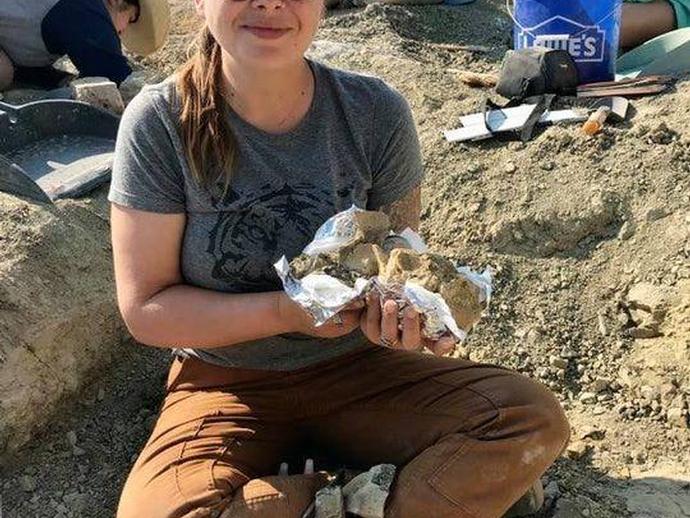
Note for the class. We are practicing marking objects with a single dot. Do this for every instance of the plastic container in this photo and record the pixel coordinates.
(588, 29)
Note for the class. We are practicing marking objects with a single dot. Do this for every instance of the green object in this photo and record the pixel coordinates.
(682, 8)
(667, 54)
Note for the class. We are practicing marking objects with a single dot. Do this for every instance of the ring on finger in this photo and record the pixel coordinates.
(386, 342)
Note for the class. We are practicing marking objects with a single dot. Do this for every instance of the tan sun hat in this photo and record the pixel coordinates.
(149, 32)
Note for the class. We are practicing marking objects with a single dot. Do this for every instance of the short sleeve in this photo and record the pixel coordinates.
(396, 157)
(147, 172)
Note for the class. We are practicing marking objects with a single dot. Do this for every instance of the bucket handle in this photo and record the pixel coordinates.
(515, 20)
(526, 31)
(10, 109)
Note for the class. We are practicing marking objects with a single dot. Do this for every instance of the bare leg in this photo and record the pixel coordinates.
(6, 71)
(642, 22)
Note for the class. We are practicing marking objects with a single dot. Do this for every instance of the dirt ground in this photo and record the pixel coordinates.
(589, 240)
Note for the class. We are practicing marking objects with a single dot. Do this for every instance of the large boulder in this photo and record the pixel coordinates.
(58, 315)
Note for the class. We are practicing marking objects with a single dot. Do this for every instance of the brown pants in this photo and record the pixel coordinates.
(468, 439)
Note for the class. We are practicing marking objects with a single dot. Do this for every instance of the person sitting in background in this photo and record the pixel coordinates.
(34, 35)
(647, 19)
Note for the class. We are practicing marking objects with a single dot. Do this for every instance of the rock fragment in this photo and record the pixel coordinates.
(602, 325)
(366, 494)
(592, 432)
(577, 449)
(366, 259)
(626, 232)
(559, 363)
(662, 134)
(372, 227)
(72, 438)
(78, 452)
(346, 265)
(588, 398)
(601, 385)
(648, 305)
(394, 241)
(27, 483)
(677, 417)
(99, 92)
(330, 502)
(437, 274)
(655, 214)
(677, 413)
(510, 168)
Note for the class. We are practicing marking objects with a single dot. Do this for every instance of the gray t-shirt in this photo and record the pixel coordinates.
(357, 145)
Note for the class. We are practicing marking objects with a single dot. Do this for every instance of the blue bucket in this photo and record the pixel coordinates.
(588, 29)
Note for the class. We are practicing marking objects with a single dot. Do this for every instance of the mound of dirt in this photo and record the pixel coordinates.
(571, 225)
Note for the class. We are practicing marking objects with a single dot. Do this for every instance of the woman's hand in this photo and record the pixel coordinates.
(299, 321)
(381, 327)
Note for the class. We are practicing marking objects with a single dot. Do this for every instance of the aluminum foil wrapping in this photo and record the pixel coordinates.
(324, 296)
(321, 295)
(334, 234)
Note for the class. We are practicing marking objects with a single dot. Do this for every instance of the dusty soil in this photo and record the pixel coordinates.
(570, 225)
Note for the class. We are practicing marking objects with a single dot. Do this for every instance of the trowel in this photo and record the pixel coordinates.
(55, 149)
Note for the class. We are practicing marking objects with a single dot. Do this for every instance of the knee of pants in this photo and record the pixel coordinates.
(141, 500)
(161, 497)
(547, 417)
(529, 409)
